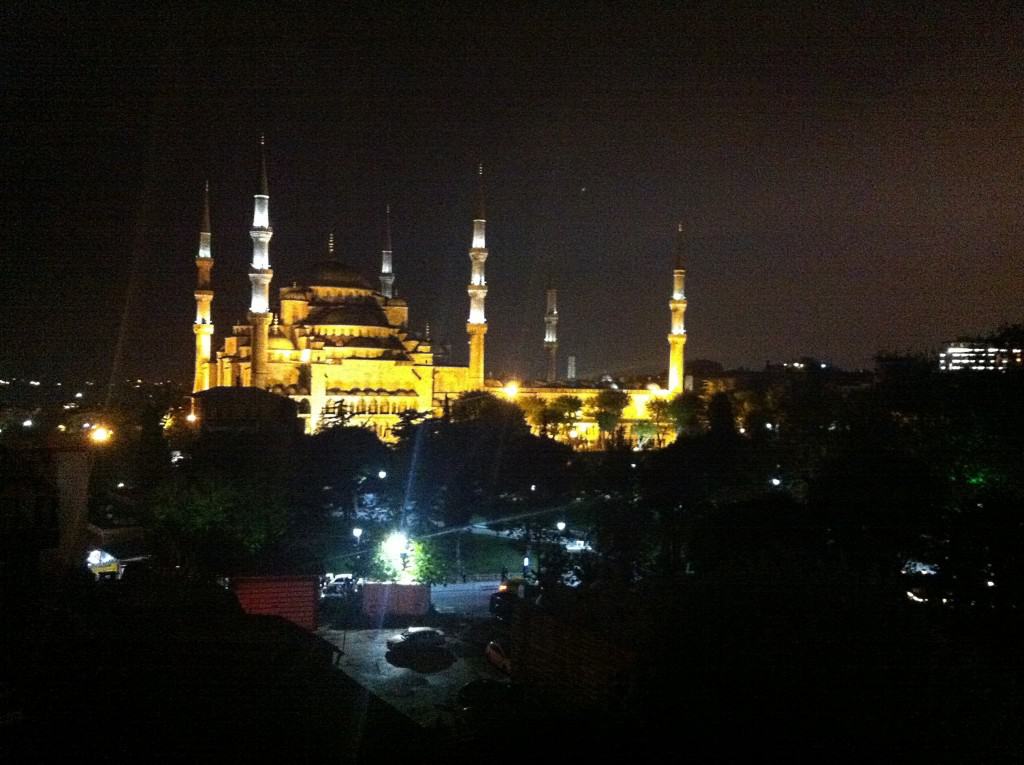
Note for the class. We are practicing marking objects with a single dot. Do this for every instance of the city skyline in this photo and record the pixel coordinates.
(846, 186)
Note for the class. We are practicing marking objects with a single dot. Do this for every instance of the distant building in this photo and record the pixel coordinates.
(980, 356)
(341, 349)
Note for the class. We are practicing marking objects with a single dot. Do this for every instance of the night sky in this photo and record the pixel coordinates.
(848, 182)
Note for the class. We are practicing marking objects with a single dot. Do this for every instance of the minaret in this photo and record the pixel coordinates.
(203, 326)
(260, 275)
(476, 327)
(387, 276)
(551, 334)
(677, 305)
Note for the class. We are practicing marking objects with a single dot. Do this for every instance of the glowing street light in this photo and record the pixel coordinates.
(100, 434)
(191, 417)
(382, 474)
(27, 424)
(357, 533)
(776, 482)
(511, 389)
(560, 525)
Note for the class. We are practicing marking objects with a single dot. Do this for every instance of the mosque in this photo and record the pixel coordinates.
(342, 349)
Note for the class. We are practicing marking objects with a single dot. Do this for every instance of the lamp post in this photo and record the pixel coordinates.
(560, 525)
(357, 533)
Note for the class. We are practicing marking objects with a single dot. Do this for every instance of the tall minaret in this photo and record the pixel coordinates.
(387, 276)
(677, 305)
(476, 327)
(260, 275)
(551, 334)
(203, 326)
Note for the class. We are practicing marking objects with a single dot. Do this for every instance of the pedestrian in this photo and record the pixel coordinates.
(504, 573)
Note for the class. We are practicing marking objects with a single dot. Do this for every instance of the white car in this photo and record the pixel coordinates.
(416, 637)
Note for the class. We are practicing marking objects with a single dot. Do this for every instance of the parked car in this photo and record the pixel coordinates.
(416, 638)
(499, 656)
(503, 604)
(341, 588)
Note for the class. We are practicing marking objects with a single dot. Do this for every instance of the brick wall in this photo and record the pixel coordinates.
(294, 598)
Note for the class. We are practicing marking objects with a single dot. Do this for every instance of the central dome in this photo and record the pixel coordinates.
(334, 273)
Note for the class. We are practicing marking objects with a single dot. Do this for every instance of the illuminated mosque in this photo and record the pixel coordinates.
(342, 349)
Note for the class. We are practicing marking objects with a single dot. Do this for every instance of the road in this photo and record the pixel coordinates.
(469, 599)
(424, 694)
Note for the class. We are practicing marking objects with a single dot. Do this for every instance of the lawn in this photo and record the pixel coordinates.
(482, 555)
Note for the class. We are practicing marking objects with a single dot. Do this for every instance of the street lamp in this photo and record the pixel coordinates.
(100, 435)
(382, 474)
(560, 525)
(357, 533)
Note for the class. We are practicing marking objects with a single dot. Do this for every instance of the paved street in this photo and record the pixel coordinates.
(423, 694)
(469, 599)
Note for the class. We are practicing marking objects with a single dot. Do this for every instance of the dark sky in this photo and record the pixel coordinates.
(848, 181)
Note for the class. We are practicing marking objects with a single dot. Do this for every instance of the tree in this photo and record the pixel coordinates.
(661, 415)
(333, 466)
(721, 422)
(645, 431)
(606, 408)
(463, 466)
(539, 414)
(215, 525)
(685, 410)
(486, 408)
(568, 409)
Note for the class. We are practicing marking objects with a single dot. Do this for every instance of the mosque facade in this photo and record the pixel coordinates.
(342, 349)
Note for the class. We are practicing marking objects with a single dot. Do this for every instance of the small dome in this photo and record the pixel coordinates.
(359, 313)
(334, 273)
(280, 343)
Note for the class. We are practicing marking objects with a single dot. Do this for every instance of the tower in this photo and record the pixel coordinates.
(203, 326)
(260, 275)
(677, 307)
(551, 334)
(476, 327)
(387, 276)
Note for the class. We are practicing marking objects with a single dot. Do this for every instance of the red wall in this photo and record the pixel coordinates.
(292, 597)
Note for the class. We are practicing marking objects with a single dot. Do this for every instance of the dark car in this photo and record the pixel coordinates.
(417, 638)
(503, 604)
